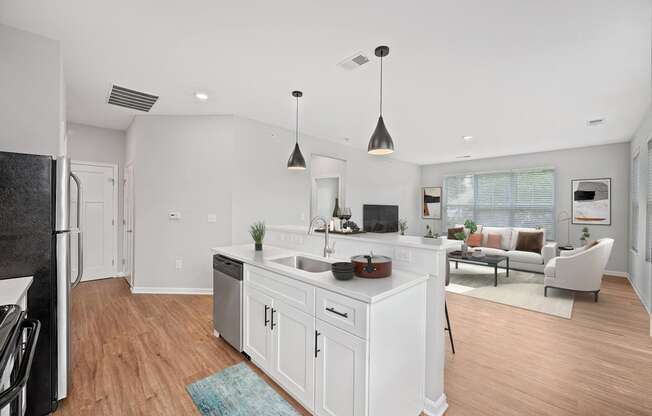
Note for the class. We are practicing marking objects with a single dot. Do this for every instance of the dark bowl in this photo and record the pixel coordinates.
(342, 271)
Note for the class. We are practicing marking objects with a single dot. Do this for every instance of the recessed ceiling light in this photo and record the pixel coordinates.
(201, 96)
(467, 138)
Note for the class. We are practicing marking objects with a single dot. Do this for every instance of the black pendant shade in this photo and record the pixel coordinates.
(381, 142)
(296, 160)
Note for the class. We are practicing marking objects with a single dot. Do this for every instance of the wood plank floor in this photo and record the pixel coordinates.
(134, 355)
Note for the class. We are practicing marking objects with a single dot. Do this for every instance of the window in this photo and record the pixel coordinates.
(634, 224)
(523, 198)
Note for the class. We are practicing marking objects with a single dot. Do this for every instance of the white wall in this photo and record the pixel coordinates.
(31, 93)
(641, 271)
(97, 144)
(266, 190)
(235, 168)
(182, 164)
(608, 161)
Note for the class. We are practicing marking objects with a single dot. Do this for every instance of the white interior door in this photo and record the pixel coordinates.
(129, 224)
(97, 219)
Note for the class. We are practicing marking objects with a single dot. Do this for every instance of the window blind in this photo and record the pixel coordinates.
(634, 222)
(523, 198)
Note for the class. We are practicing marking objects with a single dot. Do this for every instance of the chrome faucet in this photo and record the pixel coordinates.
(328, 249)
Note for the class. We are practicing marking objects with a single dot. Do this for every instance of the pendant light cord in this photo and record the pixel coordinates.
(297, 121)
(381, 84)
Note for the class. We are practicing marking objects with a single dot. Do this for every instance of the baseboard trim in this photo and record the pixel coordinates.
(616, 274)
(171, 291)
(437, 408)
(640, 299)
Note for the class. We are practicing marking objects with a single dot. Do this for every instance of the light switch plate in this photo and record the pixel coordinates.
(174, 215)
(212, 218)
(178, 264)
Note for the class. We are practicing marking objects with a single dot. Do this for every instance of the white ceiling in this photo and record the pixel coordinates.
(517, 75)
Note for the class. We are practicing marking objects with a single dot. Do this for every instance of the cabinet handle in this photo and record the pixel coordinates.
(273, 324)
(342, 314)
(317, 350)
(266, 320)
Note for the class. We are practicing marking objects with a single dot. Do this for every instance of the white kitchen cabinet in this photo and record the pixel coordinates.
(257, 335)
(336, 355)
(340, 379)
(293, 342)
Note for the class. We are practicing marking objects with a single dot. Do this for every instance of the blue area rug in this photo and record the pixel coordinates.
(238, 391)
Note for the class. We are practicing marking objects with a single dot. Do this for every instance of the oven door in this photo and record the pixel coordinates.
(14, 376)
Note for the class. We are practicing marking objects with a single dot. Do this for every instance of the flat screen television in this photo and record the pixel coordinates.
(380, 218)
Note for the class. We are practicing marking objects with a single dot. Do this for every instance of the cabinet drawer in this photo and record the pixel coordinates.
(343, 312)
(286, 289)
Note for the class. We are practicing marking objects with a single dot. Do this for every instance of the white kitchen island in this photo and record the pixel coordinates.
(359, 347)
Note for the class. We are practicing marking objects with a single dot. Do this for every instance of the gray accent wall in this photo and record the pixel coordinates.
(607, 161)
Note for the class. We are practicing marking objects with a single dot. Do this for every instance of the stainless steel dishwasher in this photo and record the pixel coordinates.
(227, 300)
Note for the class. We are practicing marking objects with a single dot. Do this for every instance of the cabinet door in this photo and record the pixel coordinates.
(294, 352)
(258, 337)
(340, 374)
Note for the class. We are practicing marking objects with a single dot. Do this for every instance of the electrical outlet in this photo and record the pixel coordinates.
(212, 218)
(179, 264)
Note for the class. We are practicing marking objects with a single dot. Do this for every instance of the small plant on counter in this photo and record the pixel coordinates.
(402, 225)
(257, 231)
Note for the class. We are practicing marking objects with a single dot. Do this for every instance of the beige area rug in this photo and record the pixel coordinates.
(520, 289)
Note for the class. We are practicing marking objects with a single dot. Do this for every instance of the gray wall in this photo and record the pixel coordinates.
(641, 271)
(31, 94)
(96, 144)
(234, 168)
(608, 161)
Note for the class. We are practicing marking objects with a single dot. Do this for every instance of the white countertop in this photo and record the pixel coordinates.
(366, 290)
(394, 239)
(13, 290)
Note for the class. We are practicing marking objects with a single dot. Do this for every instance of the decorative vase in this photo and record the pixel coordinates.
(259, 246)
(464, 248)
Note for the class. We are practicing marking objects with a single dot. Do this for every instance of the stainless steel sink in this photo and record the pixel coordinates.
(304, 263)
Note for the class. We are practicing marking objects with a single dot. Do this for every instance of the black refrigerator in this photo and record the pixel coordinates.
(35, 237)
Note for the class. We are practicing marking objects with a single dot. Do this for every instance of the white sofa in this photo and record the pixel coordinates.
(579, 270)
(521, 260)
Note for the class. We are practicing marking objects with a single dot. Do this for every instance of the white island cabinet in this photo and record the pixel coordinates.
(339, 348)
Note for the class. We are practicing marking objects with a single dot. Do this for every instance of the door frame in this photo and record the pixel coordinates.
(116, 179)
(131, 279)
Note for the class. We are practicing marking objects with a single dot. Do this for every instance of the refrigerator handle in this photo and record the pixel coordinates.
(80, 245)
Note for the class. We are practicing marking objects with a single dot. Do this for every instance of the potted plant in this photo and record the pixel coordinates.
(402, 225)
(585, 235)
(472, 227)
(257, 231)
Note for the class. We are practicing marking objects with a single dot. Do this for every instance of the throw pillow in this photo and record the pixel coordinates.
(529, 241)
(453, 231)
(591, 243)
(474, 240)
(494, 241)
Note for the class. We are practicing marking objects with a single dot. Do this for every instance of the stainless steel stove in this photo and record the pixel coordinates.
(18, 336)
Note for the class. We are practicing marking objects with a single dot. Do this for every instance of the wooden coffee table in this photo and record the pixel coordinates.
(484, 260)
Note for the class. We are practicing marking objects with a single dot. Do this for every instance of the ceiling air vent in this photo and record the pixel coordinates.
(354, 61)
(124, 97)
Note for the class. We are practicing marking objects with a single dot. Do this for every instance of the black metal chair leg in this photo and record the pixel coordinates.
(595, 295)
(448, 327)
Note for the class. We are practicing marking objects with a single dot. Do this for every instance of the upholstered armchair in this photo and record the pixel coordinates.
(579, 270)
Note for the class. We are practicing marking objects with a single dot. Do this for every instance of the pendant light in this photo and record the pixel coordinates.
(296, 161)
(381, 142)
